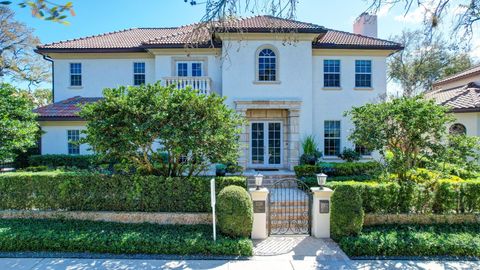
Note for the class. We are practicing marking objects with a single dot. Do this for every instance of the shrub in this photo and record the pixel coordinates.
(338, 169)
(310, 151)
(96, 192)
(346, 213)
(34, 169)
(55, 161)
(349, 155)
(234, 211)
(415, 240)
(117, 238)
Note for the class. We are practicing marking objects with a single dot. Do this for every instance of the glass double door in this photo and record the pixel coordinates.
(266, 144)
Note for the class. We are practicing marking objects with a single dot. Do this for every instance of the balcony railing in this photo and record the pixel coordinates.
(202, 84)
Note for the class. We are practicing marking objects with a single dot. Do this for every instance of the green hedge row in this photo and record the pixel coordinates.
(338, 169)
(444, 197)
(95, 192)
(415, 240)
(54, 161)
(117, 238)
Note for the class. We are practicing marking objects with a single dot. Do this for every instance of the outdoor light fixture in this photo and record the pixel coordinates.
(258, 180)
(321, 179)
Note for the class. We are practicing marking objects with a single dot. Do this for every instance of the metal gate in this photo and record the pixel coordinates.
(289, 207)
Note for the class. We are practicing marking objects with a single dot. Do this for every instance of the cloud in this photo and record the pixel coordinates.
(413, 17)
(384, 10)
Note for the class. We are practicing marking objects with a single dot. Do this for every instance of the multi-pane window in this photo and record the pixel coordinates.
(73, 136)
(189, 68)
(196, 69)
(138, 73)
(75, 74)
(331, 73)
(258, 146)
(267, 65)
(274, 141)
(332, 138)
(363, 73)
(362, 150)
(457, 129)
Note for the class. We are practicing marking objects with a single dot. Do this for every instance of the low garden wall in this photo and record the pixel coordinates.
(124, 217)
(426, 219)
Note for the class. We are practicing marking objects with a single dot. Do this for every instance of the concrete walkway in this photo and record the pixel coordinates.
(276, 253)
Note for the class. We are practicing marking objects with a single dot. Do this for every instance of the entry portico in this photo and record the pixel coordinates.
(271, 136)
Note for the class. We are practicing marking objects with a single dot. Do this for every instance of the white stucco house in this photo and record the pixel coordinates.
(460, 92)
(288, 78)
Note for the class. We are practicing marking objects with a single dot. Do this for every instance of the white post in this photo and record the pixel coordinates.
(321, 212)
(213, 201)
(259, 198)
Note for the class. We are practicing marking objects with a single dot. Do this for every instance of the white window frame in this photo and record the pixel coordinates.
(71, 74)
(363, 73)
(265, 141)
(139, 73)
(332, 138)
(339, 73)
(257, 64)
(190, 68)
(73, 138)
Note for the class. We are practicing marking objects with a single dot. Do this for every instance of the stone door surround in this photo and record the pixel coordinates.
(292, 128)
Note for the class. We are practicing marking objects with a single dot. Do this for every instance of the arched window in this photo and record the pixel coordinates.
(457, 129)
(267, 65)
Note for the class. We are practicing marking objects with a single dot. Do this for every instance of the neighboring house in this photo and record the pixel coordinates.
(461, 92)
(288, 78)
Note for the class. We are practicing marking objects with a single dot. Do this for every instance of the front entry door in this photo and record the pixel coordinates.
(266, 144)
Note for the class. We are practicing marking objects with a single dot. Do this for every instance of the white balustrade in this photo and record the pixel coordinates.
(202, 84)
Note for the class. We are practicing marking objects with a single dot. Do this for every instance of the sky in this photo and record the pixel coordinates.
(96, 17)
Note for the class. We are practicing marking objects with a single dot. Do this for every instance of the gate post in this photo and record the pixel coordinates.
(259, 198)
(321, 212)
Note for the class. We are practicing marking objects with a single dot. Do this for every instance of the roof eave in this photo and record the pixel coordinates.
(59, 118)
(44, 50)
(465, 110)
(362, 47)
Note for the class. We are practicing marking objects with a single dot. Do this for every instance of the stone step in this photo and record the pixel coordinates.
(288, 203)
(288, 218)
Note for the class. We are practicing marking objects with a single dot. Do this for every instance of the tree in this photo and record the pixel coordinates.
(404, 130)
(18, 128)
(47, 10)
(17, 58)
(436, 12)
(163, 130)
(425, 60)
(40, 96)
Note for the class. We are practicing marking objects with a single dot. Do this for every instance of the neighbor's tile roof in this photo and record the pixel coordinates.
(67, 109)
(461, 99)
(139, 39)
(466, 73)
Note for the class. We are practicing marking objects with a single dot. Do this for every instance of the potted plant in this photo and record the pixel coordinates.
(311, 154)
(349, 155)
(220, 170)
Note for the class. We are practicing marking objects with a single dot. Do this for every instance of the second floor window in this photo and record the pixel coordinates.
(331, 73)
(267, 65)
(138, 73)
(332, 138)
(362, 150)
(363, 73)
(189, 69)
(73, 136)
(75, 74)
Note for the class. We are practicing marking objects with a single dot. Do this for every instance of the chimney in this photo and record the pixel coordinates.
(366, 25)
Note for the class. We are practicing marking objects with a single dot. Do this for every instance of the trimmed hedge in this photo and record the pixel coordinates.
(447, 196)
(415, 240)
(338, 169)
(118, 238)
(347, 213)
(55, 161)
(96, 192)
(235, 212)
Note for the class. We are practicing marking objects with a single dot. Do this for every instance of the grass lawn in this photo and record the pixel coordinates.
(415, 240)
(110, 237)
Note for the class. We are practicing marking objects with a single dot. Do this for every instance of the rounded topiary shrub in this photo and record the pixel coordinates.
(346, 217)
(234, 211)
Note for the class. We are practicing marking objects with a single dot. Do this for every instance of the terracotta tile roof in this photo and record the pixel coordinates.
(139, 39)
(67, 109)
(469, 72)
(461, 99)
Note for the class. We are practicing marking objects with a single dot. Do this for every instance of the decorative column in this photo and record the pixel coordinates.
(259, 198)
(244, 141)
(321, 212)
(294, 137)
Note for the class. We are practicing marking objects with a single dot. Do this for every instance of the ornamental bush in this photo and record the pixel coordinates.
(96, 192)
(234, 212)
(338, 169)
(347, 213)
(55, 161)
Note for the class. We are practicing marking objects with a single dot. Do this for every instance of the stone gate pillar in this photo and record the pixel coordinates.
(259, 198)
(321, 212)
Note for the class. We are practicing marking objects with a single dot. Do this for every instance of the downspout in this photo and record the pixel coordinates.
(49, 59)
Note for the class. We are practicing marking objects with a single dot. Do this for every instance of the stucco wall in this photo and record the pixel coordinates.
(97, 74)
(54, 140)
(471, 121)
